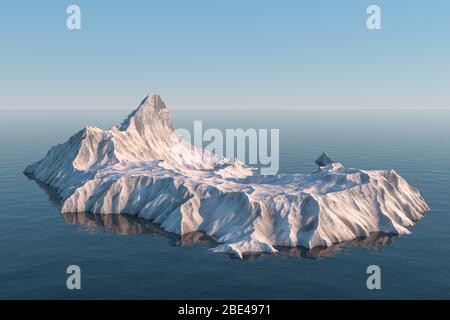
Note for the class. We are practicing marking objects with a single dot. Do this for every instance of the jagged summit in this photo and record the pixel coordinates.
(152, 101)
(152, 110)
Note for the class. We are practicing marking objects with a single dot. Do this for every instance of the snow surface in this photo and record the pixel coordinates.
(142, 167)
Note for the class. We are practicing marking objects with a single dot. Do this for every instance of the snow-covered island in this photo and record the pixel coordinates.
(142, 167)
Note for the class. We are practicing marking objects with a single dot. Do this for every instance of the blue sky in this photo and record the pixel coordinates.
(225, 54)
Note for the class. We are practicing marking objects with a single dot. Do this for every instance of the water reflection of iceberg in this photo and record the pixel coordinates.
(375, 242)
(119, 224)
(122, 224)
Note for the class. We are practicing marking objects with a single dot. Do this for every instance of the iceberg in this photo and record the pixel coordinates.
(142, 167)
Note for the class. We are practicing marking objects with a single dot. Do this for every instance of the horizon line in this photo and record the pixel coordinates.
(234, 108)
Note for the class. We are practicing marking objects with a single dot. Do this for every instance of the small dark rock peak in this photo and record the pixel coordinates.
(324, 160)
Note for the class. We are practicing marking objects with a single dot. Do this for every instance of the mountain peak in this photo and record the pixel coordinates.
(153, 101)
(151, 110)
(324, 160)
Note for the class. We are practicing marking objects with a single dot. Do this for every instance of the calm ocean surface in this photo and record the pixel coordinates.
(126, 258)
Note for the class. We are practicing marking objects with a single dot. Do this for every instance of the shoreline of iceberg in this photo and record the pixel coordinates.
(141, 167)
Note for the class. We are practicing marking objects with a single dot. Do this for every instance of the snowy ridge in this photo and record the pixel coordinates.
(142, 167)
